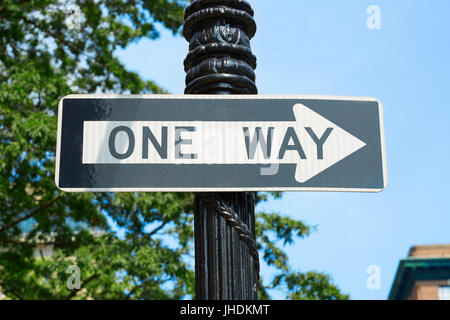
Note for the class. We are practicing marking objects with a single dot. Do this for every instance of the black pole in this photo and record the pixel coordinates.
(220, 61)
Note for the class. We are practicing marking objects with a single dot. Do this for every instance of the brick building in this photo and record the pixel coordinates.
(424, 275)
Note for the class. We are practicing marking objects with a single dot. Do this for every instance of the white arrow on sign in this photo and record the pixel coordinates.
(312, 142)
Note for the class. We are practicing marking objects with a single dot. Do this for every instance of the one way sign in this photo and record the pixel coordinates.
(220, 143)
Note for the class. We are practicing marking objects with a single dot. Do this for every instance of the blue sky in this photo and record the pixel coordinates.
(324, 47)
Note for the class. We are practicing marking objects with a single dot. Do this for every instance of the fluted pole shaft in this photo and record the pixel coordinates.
(220, 61)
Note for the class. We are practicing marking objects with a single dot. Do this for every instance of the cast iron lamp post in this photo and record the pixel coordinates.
(220, 61)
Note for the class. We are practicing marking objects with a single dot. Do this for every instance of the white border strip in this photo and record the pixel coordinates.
(58, 142)
(218, 189)
(218, 97)
(383, 144)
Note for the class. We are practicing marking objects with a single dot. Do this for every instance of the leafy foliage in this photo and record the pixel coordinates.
(43, 59)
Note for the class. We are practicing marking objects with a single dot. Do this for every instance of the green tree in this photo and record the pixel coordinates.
(44, 57)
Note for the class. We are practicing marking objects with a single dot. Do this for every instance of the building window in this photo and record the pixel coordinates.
(444, 293)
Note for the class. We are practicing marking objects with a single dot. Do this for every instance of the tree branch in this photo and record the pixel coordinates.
(73, 293)
(17, 295)
(35, 244)
(134, 290)
(163, 224)
(30, 215)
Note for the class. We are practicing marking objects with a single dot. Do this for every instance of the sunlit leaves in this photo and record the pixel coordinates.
(309, 286)
(42, 60)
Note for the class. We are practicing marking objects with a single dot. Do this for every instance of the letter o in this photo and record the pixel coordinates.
(112, 142)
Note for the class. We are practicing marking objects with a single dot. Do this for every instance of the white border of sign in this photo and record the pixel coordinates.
(231, 97)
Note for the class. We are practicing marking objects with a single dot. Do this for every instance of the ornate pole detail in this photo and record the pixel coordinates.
(220, 61)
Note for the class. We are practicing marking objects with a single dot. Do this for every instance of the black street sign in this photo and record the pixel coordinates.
(122, 143)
